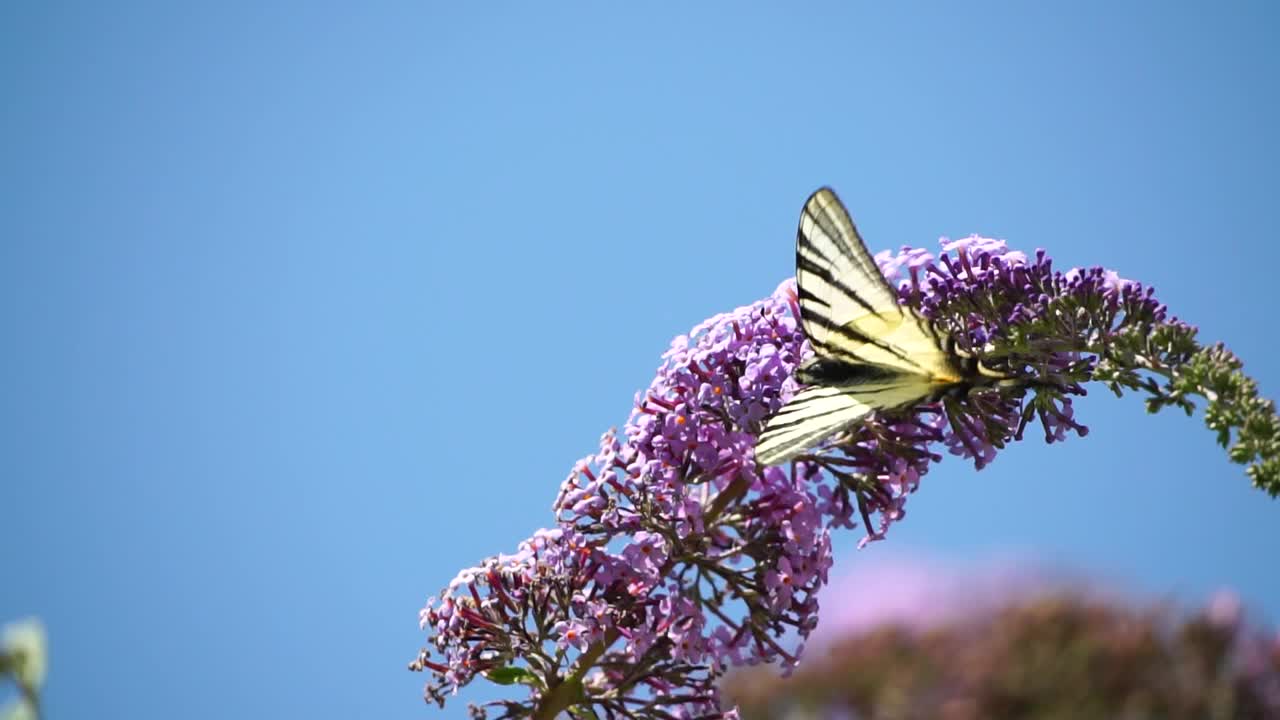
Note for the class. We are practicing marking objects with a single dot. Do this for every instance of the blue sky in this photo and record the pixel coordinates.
(308, 306)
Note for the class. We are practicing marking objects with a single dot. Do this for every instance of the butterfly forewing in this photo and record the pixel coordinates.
(847, 309)
(837, 279)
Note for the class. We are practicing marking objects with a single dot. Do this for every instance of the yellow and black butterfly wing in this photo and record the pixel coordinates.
(836, 278)
(886, 355)
(818, 412)
(847, 309)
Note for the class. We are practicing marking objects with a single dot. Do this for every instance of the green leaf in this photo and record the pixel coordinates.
(513, 674)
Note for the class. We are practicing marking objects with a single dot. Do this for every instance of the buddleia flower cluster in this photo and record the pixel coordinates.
(674, 556)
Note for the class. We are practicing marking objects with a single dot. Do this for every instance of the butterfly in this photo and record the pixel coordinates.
(870, 352)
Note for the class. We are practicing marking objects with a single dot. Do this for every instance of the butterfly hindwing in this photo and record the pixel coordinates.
(810, 416)
(820, 411)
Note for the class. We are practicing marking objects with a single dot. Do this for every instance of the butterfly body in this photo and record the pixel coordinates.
(870, 352)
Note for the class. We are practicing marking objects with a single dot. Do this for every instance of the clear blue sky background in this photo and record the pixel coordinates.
(306, 307)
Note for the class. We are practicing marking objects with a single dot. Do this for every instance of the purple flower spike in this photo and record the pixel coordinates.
(675, 556)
